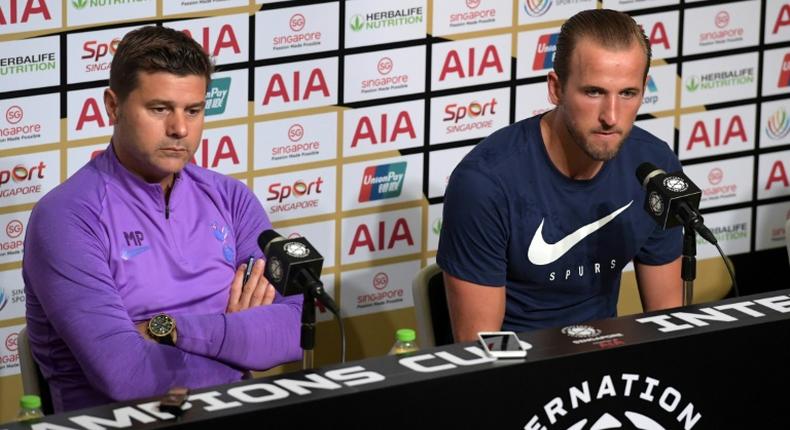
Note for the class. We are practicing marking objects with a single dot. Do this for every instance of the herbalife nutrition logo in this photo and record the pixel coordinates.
(387, 19)
(692, 83)
(217, 96)
(710, 81)
(82, 4)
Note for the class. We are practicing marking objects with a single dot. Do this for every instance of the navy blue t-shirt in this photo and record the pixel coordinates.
(557, 244)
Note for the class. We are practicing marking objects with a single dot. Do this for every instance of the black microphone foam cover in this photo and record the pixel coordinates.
(643, 170)
(265, 238)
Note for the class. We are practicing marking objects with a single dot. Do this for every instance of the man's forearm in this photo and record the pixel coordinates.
(257, 338)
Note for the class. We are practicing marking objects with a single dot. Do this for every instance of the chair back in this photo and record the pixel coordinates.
(33, 381)
(712, 283)
(787, 237)
(430, 306)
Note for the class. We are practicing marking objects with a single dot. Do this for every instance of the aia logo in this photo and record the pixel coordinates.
(14, 114)
(21, 14)
(295, 133)
(535, 8)
(782, 19)
(384, 66)
(14, 228)
(722, 19)
(297, 22)
(288, 88)
(225, 39)
(380, 281)
(367, 130)
(544, 53)
(473, 4)
(715, 176)
(11, 342)
(92, 114)
(778, 125)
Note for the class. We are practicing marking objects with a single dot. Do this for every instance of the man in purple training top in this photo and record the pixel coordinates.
(133, 266)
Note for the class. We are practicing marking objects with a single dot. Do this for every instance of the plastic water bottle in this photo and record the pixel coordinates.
(29, 408)
(405, 342)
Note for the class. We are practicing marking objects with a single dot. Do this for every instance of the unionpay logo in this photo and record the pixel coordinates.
(544, 54)
(382, 182)
(217, 96)
(537, 7)
(778, 124)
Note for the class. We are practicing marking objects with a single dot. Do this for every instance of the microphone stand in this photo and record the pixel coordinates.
(307, 340)
(688, 269)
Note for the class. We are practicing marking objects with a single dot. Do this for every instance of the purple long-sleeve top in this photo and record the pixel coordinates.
(103, 251)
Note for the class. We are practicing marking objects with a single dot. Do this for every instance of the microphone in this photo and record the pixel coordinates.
(672, 199)
(293, 266)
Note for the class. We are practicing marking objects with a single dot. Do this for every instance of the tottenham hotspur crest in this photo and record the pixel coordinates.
(656, 203)
(296, 249)
(675, 184)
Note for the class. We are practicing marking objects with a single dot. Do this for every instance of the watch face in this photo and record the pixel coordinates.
(161, 325)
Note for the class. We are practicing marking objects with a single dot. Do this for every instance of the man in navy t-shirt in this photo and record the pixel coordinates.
(543, 215)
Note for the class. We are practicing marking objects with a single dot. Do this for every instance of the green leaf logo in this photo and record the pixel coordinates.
(437, 226)
(357, 23)
(692, 84)
(79, 4)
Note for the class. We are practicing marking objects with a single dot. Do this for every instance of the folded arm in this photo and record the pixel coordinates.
(72, 283)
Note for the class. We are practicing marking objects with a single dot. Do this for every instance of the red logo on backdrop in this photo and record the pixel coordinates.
(471, 4)
(14, 228)
(295, 133)
(297, 22)
(722, 19)
(715, 176)
(14, 114)
(380, 281)
(784, 73)
(11, 342)
(385, 65)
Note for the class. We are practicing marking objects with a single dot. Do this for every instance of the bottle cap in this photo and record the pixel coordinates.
(405, 335)
(30, 401)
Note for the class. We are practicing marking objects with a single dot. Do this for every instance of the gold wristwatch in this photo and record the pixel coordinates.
(161, 328)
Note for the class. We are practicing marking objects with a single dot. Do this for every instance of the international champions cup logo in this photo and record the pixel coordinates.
(778, 125)
(536, 7)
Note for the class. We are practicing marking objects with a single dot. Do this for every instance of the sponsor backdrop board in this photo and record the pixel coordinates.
(346, 118)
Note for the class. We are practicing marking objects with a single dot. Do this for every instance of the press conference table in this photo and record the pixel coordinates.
(721, 365)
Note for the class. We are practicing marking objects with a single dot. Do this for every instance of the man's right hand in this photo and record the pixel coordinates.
(256, 292)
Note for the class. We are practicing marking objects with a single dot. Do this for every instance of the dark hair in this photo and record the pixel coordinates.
(612, 29)
(156, 49)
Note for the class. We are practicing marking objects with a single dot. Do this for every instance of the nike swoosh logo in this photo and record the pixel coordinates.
(541, 253)
(133, 252)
